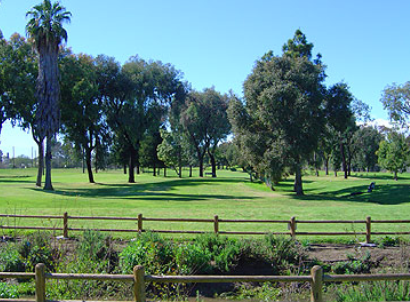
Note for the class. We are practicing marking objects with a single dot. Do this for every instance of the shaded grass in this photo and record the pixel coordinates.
(231, 196)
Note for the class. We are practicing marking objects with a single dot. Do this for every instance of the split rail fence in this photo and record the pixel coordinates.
(139, 280)
(216, 221)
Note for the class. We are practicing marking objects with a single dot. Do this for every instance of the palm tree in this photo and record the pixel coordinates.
(45, 28)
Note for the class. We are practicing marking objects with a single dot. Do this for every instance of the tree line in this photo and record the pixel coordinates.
(144, 114)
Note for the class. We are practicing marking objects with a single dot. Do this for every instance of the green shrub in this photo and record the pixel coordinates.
(95, 246)
(10, 260)
(353, 266)
(387, 241)
(192, 259)
(150, 250)
(36, 248)
(224, 252)
(8, 291)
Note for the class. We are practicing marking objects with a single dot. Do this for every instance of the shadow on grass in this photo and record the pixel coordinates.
(375, 176)
(386, 194)
(15, 179)
(152, 191)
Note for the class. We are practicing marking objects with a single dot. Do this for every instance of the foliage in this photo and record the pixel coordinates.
(205, 122)
(10, 260)
(81, 113)
(280, 253)
(150, 250)
(94, 246)
(192, 259)
(387, 241)
(355, 265)
(394, 153)
(36, 248)
(374, 291)
(225, 252)
(366, 140)
(396, 99)
(8, 291)
(281, 119)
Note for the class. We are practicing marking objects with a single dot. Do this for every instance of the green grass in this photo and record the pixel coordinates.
(231, 196)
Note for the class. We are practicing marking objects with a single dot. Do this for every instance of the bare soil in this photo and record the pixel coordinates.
(385, 258)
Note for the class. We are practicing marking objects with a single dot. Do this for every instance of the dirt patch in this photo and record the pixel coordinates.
(384, 258)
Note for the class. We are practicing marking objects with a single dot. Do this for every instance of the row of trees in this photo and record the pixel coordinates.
(103, 107)
(143, 113)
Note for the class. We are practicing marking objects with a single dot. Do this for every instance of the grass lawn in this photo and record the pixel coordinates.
(230, 196)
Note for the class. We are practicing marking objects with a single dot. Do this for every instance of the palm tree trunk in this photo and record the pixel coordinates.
(47, 184)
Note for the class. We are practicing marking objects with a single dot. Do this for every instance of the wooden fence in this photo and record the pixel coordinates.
(139, 280)
(216, 222)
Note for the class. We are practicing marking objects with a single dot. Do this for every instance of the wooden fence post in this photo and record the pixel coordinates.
(65, 225)
(216, 224)
(292, 227)
(368, 229)
(40, 282)
(317, 282)
(139, 223)
(139, 283)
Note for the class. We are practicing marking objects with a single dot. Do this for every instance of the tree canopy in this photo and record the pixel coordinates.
(282, 116)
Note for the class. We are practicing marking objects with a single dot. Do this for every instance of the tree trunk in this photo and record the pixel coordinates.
(298, 181)
(213, 163)
(201, 166)
(40, 168)
(342, 153)
(327, 166)
(165, 171)
(124, 166)
(395, 175)
(89, 166)
(131, 175)
(314, 159)
(179, 162)
(190, 170)
(83, 161)
(155, 170)
(47, 184)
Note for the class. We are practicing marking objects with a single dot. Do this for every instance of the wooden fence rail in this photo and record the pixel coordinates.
(216, 221)
(139, 280)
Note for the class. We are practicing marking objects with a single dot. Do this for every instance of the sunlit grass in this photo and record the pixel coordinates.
(230, 196)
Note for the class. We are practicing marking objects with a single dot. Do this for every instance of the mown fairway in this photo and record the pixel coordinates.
(231, 196)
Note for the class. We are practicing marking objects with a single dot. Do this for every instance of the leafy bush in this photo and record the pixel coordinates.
(192, 258)
(387, 241)
(224, 252)
(95, 246)
(150, 250)
(353, 266)
(8, 291)
(10, 260)
(36, 248)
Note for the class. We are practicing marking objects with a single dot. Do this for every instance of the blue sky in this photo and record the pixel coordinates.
(216, 42)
